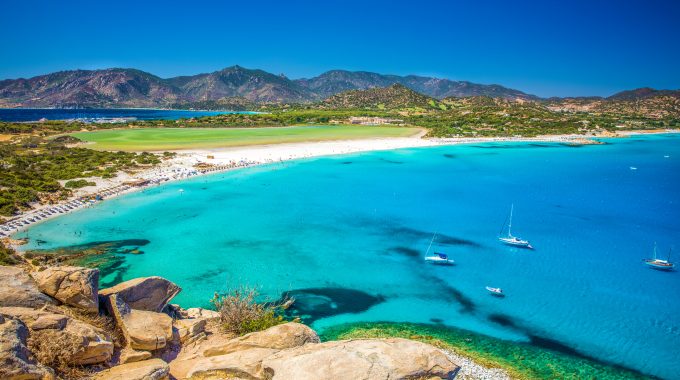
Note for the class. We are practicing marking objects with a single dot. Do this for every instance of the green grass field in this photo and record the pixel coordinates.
(162, 139)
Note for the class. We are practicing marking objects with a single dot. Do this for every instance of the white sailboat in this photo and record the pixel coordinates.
(437, 258)
(660, 264)
(513, 240)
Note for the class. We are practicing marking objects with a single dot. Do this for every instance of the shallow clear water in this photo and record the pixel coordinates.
(348, 235)
(94, 114)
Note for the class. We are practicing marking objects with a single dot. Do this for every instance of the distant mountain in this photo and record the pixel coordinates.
(395, 96)
(88, 88)
(643, 93)
(236, 81)
(333, 82)
(135, 88)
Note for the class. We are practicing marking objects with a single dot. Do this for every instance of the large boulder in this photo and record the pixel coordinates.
(152, 369)
(16, 362)
(236, 365)
(360, 359)
(287, 335)
(94, 345)
(74, 286)
(17, 288)
(143, 330)
(146, 293)
(220, 355)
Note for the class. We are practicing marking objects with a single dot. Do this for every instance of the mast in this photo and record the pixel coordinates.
(654, 251)
(512, 206)
(430, 246)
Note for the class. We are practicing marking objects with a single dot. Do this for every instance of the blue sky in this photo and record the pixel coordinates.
(548, 48)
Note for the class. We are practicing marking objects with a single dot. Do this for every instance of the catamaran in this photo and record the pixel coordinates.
(513, 240)
(437, 258)
(659, 263)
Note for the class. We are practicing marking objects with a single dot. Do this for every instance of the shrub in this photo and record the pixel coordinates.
(77, 184)
(8, 256)
(241, 313)
(57, 351)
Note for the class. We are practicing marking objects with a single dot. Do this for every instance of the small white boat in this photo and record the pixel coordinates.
(659, 264)
(498, 292)
(440, 259)
(437, 258)
(633, 168)
(513, 240)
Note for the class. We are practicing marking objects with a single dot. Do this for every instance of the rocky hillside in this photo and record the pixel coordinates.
(58, 322)
(89, 88)
(395, 96)
(134, 88)
(333, 82)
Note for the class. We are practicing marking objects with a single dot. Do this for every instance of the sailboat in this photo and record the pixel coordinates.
(437, 258)
(513, 240)
(659, 263)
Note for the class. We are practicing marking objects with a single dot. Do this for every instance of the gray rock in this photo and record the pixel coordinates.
(143, 330)
(74, 286)
(95, 345)
(17, 288)
(16, 362)
(146, 293)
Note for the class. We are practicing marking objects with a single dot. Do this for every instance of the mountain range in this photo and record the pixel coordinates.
(136, 88)
(233, 85)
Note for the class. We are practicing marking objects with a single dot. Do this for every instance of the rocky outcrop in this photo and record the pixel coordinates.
(17, 288)
(74, 286)
(360, 359)
(146, 293)
(15, 359)
(189, 340)
(293, 351)
(279, 337)
(236, 365)
(143, 330)
(152, 369)
(95, 346)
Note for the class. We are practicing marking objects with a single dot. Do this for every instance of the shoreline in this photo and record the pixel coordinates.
(218, 160)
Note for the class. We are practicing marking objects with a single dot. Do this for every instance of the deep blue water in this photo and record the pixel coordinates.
(348, 234)
(34, 114)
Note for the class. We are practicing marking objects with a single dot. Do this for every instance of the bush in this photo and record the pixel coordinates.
(7, 255)
(77, 184)
(57, 351)
(241, 313)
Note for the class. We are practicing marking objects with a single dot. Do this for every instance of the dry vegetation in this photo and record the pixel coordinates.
(242, 310)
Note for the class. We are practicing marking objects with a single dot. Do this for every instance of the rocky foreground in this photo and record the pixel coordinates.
(57, 323)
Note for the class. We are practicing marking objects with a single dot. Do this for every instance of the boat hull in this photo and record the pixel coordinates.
(516, 243)
(662, 267)
(439, 261)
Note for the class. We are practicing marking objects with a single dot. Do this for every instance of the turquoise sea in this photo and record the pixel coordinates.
(347, 235)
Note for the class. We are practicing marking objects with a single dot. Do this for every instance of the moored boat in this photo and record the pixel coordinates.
(660, 264)
(513, 240)
(498, 292)
(438, 258)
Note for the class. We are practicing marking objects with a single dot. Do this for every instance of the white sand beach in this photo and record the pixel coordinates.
(184, 165)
